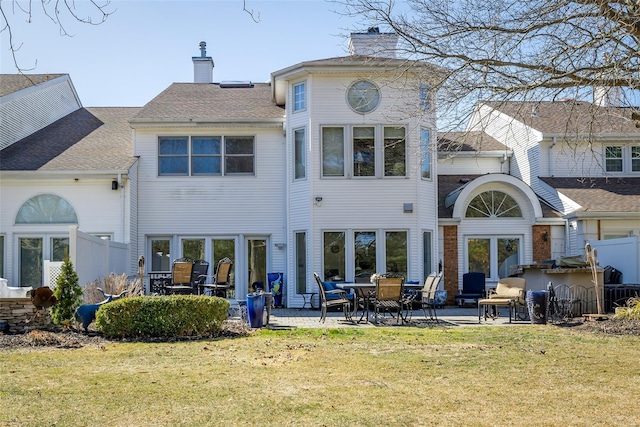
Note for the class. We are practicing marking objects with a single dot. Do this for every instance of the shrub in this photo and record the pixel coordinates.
(631, 311)
(68, 292)
(162, 316)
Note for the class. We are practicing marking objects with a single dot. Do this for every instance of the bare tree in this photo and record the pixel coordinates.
(506, 50)
(59, 12)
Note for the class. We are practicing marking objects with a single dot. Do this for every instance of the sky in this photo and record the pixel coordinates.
(145, 45)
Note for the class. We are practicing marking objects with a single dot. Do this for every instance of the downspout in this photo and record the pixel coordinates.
(122, 207)
(553, 144)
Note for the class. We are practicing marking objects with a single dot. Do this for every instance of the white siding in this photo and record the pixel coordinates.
(27, 111)
(97, 207)
(471, 166)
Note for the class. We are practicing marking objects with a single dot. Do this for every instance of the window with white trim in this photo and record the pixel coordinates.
(299, 153)
(299, 97)
(364, 151)
(425, 145)
(613, 159)
(205, 155)
(635, 158)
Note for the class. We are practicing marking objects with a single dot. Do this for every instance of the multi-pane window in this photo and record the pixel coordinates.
(161, 254)
(332, 151)
(368, 145)
(365, 254)
(613, 159)
(635, 159)
(425, 103)
(493, 204)
(239, 155)
(173, 155)
(299, 154)
(396, 252)
(493, 256)
(425, 143)
(193, 248)
(394, 151)
(205, 155)
(46, 209)
(334, 256)
(364, 154)
(371, 251)
(301, 262)
(299, 97)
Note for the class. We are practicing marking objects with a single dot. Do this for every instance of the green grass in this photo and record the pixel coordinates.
(523, 375)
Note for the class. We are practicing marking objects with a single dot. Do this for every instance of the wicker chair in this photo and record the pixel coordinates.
(220, 280)
(389, 297)
(181, 275)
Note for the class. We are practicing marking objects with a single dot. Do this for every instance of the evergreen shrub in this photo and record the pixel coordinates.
(68, 292)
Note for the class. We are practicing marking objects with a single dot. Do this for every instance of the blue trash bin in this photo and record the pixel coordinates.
(276, 283)
(255, 309)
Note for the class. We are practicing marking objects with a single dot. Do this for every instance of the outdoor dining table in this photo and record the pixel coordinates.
(364, 292)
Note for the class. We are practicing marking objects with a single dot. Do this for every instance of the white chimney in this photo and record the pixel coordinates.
(373, 43)
(202, 66)
(607, 96)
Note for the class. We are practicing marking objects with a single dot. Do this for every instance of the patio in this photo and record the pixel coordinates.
(450, 316)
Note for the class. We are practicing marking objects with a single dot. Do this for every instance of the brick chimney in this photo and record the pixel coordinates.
(373, 43)
(202, 66)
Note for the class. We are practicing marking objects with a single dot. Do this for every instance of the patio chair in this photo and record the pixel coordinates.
(181, 273)
(473, 288)
(332, 298)
(428, 299)
(509, 292)
(389, 297)
(200, 268)
(220, 281)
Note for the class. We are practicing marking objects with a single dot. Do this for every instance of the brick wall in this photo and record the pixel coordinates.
(541, 248)
(450, 262)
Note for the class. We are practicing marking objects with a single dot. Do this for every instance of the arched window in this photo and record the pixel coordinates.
(493, 204)
(46, 209)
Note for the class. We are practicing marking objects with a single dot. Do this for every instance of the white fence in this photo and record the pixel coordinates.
(623, 254)
(94, 258)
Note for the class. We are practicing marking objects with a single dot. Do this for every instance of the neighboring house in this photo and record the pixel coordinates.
(534, 181)
(61, 165)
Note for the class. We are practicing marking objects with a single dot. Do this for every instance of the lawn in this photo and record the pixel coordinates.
(494, 376)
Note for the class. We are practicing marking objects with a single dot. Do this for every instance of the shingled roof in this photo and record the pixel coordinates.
(89, 139)
(600, 194)
(210, 102)
(468, 141)
(11, 83)
(570, 117)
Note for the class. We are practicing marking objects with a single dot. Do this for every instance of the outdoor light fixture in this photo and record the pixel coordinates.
(114, 185)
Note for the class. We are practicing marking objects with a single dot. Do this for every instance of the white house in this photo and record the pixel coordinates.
(326, 168)
(333, 166)
(532, 181)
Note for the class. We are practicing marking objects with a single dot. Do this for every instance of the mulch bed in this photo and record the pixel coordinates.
(72, 338)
